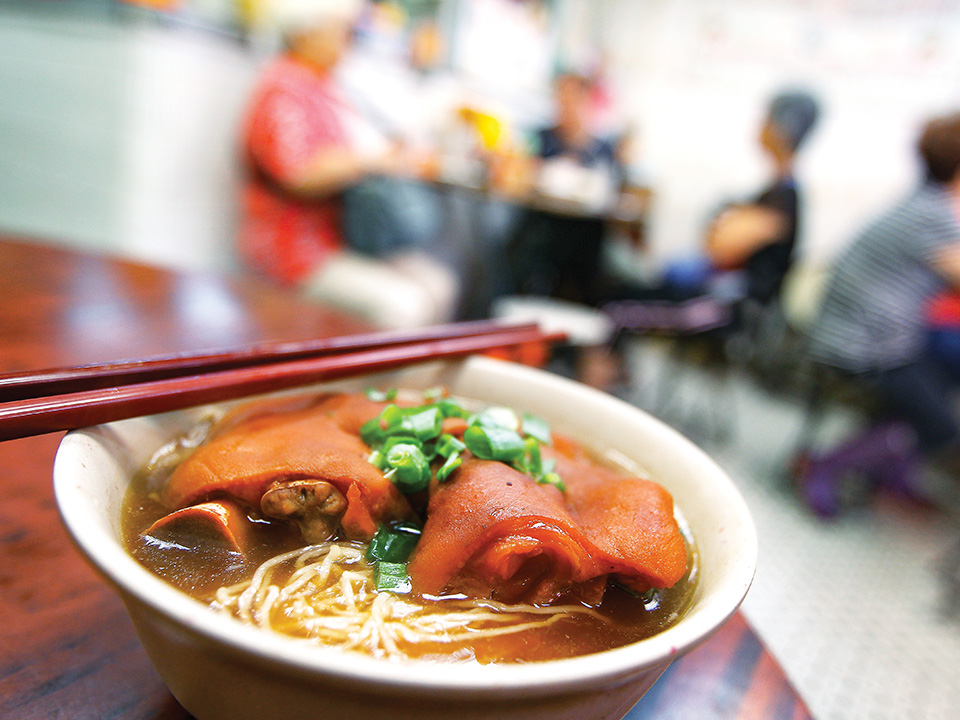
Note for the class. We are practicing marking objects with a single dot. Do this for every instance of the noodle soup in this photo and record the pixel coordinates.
(516, 544)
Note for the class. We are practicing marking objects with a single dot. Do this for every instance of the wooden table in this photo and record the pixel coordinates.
(67, 648)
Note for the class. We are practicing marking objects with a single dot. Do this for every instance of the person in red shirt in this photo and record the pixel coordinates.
(306, 149)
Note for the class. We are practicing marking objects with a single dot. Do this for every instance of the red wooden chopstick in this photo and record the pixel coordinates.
(53, 381)
(35, 416)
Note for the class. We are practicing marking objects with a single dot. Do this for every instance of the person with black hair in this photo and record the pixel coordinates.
(760, 236)
(749, 246)
(729, 292)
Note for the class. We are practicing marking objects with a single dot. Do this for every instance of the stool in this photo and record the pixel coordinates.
(883, 454)
(695, 327)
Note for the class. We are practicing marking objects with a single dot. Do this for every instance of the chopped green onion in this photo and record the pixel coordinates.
(494, 443)
(405, 441)
(452, 462)
(429, 450)
(379, 456)
(497, 417)
(449, 444)
(433, 394)
(391, 417)
(534, 464)
(394, 543)
(393, 577)
(407, 467)
(391, 442)
(551, 478)
(381, 395)
(450, 408)
(535, 427)
(423, 423)
(372, 433)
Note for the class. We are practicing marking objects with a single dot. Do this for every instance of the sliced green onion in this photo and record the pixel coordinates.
(423, 423)
(371, 432)
(449, 444)
(429, 450)
(494, 443)
(405, 441)
(380, 395)
(379, 456)
(392, 577)
(395, 440)
(551, 478)
(452, 462)
(535, 427)
(407, 467)
(433, 394)
(394, 543)
(450, 408)
(534, 464)
(496, 417)
(391, 418)
(426, 423)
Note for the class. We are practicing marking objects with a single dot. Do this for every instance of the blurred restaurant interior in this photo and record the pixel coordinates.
(122, 131)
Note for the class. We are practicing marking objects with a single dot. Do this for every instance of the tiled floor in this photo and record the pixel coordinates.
(852, 608)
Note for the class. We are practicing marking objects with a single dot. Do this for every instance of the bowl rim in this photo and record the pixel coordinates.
(135, 582)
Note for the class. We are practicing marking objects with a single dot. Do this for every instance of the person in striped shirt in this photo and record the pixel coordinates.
(872, 321)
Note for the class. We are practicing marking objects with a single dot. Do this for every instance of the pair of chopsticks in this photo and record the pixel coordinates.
(34, 403)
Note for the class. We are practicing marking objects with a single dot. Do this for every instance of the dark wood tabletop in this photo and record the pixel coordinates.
(67, 648)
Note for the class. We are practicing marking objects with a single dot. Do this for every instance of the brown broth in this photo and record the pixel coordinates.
(198, 571)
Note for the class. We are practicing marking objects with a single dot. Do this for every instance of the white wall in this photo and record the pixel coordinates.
(62, 74)
(118, 132)
(694, 75)
(185, 96)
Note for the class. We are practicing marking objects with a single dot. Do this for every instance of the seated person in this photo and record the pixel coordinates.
(759, 236)
(559, 254)
(749, 248)
(319, 213)
(873, 322)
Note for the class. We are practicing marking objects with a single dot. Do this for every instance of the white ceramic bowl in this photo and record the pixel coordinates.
(218, 668)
